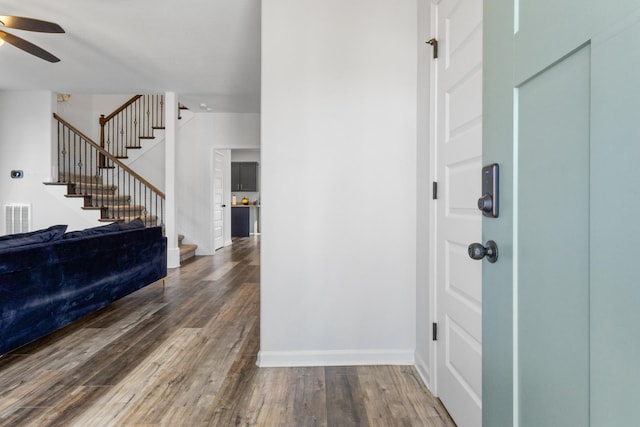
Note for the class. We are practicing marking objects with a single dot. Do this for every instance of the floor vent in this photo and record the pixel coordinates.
(17, 218)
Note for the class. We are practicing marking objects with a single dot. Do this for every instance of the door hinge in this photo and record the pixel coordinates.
(434, 331)
(434, 43)
(435, 191)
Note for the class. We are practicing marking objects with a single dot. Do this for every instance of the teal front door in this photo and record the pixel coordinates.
(561, 307)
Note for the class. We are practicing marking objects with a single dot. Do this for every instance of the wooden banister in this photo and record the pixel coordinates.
(120, 109)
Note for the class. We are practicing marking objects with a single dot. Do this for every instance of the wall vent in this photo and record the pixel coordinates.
(17, 218)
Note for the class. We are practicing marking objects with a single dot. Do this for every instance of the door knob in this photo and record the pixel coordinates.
(477, 251)
(223, 206)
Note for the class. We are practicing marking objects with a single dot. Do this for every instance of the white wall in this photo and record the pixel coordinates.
(25, 143)
(78, 111)
(245, 156)
(149, 164)
(234, 131)
(192, 187)
(338, 279)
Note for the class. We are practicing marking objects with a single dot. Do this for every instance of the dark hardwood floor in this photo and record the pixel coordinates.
(185, 355)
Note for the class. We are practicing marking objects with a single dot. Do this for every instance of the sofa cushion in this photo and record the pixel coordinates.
(132, 225)
(93, 231)
(50, 234)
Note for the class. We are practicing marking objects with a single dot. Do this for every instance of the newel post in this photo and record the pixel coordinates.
(101, 160)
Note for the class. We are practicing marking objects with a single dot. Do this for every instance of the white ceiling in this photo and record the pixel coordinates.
(207, 51)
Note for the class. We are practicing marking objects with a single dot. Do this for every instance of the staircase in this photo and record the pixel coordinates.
(96, 172)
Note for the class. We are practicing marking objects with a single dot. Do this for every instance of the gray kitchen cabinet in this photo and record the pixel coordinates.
(244, 176)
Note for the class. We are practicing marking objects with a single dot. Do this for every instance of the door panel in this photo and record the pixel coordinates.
(615, 227)
(463, 187)
(458, 163)
(552, 154)
(462, 278)
(466, 369)
(463, 102)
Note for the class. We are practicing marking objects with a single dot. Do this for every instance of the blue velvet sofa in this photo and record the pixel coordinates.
(48, 284)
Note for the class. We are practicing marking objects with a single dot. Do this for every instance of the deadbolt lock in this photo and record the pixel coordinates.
(488, 203)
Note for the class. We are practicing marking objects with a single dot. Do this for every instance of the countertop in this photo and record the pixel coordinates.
(245, 206)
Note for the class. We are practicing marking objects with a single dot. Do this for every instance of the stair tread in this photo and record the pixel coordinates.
(93, 184)
(124, 207)
(149, 222)
(73, 177)
(187, 251)
(131, 218)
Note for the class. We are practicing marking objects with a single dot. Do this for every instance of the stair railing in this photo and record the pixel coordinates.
(104, 181)
(135, 120)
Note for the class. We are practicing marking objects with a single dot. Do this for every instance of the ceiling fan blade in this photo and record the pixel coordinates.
(28, 47)
(30, 24)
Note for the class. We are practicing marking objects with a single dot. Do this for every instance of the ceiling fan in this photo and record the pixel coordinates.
(28, 24)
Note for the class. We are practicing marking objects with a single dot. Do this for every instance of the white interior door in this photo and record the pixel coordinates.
(458, 165)
(218, 200)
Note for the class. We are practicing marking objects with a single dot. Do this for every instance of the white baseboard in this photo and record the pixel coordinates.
(423, 370)
(334, 358)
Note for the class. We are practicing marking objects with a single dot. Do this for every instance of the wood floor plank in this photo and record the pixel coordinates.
(219, 272)
(230, 406)
(184, 354)
(344, 404)
(391, 393)
(272, 397)
(18, 396)
(310, 397)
